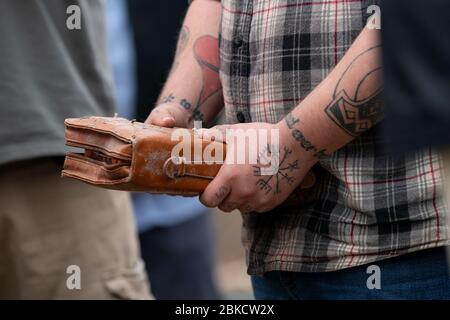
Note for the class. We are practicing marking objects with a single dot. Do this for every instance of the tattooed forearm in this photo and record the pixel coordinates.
(285, 169)
(167, 99)
(303, 142)
(206, 51)
(196, 113)
(357, 108)
(183, 40)
(291, 121)
(183, 103)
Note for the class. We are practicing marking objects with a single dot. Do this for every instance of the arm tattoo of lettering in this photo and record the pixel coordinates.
(358, 108)
(303, 142)
(285, 169)
(184, 103)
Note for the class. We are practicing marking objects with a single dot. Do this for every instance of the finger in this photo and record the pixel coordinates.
(215, 193)
(308, 181)
(230, 204)
(210, 134)
(262, 209)
(161, 117)
(223, 128)
(246, 208)
(218, 133)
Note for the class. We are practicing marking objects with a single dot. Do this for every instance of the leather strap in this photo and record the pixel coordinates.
(176, 167)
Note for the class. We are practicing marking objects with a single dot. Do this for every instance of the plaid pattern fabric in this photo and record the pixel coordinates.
(369, 206)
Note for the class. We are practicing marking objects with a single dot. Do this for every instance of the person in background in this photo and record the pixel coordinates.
(174, 232)
(59, 238)
(417, 79)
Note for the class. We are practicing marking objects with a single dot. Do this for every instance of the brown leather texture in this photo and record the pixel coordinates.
(139, 157)
(127, 155)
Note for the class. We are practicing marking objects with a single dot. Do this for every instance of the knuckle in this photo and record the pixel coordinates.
(161, 109)
(247, 192)
(263, 202)
(221, 192)
(265, 207)
(248, 208)
(261, 210)
(233, 175)
(225, 208)
(155, 111)
(228, 206)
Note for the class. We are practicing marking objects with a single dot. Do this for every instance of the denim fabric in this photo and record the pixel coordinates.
(417, 276)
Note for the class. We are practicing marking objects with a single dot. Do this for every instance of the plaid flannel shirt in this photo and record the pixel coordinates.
(369, 205)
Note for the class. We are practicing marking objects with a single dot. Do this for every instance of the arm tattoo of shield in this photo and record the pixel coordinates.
(358, 108)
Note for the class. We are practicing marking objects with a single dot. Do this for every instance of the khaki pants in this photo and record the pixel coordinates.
(56, 234)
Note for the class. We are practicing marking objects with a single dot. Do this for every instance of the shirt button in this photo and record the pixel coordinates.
(238, 41)
(240, 117)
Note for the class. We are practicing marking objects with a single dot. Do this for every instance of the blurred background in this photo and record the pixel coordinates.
(190, 252)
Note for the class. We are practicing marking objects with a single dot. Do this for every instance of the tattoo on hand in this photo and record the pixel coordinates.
(285, 171)
(222, 193)
(301, 139)
(357, 109)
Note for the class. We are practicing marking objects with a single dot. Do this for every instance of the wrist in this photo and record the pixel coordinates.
(291, 139)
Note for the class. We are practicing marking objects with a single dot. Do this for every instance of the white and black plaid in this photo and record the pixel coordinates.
(369, 206)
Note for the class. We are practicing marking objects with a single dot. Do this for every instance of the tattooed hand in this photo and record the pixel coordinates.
(260, 185)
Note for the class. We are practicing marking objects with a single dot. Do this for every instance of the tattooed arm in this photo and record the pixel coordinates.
(346, 104)
(193, 90)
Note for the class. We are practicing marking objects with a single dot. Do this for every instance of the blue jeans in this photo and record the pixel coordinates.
(417, 276)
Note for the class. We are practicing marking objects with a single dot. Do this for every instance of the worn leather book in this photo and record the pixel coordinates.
(127, 155)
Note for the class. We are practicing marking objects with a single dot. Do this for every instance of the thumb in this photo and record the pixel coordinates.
(161, 117)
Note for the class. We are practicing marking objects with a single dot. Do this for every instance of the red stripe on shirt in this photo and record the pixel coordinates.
(294, 5)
